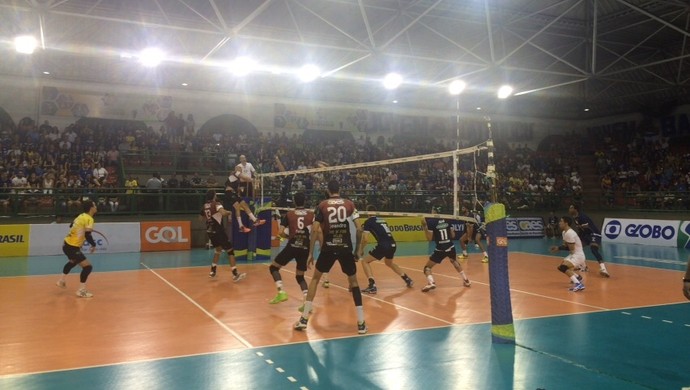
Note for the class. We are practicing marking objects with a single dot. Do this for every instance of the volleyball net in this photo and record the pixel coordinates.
(445, 185)
(436, 184)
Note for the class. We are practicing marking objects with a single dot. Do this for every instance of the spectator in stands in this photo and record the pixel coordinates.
(132, 186)
(153, 188)
(211, 181)
(112, 157)
(99, 173)
(5, 190)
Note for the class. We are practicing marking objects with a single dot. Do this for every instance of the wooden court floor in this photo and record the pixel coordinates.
(158, 321)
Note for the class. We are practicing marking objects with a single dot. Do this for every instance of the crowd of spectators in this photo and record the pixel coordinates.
(83, 161)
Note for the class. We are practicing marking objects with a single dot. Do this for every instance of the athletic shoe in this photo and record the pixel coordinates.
(259, 222)
(212, 274)
(238, 277)
(577, 287)
(485, 259)
(429, 287)
(604, 273)
(280, 297)
(244, 229)
(370, 290)
(464, 256)
(61, 284)
(409, 282)
(326, 284)
(83, 293)
(301, 324)
(467, 283)
(362, 327)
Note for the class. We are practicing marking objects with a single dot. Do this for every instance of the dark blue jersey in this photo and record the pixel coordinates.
(379, 229)
(441, 231)
(590, 229)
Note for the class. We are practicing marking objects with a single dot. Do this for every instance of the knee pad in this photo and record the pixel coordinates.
(272, 268)
(217, 252)
(231, 252)
(563, 268)
(427, 270)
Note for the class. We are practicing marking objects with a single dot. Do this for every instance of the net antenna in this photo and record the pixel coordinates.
(432, 156)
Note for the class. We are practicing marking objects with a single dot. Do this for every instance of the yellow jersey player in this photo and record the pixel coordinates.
(80, 231)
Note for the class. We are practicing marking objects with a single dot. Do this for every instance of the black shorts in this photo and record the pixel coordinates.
(73, 253)
(290, 252)
(345, 256)
(383, 249)
(219, 239)
(231, 197)
(438, 255)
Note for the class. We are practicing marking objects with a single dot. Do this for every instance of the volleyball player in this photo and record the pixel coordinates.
(385, 248)
(298, 224)
(443, 234)
(576, 256)
(474, 231)
(79, 231)
(232, 197)
(590, 235)
(333, 218)
(213, 212)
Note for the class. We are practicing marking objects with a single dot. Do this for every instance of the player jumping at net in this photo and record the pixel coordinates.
(298, 224)
(213, 212)
(385, 248)
(576, 258)
(443, 235)
(80, 230)
(233, 197)
(333, 218)
(590, 235)
(474, 231)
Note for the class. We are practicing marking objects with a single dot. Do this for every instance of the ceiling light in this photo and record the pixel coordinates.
(25, 44)
(392, 81)
(308, 73)
(242, 66)
(456, 87)
(505, 91)
(151, 57)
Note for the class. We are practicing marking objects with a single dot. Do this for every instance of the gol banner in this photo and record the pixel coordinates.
(165, 236)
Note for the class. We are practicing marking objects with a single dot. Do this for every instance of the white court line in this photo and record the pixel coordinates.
(193, 302)
(384, 301)
(518, 291)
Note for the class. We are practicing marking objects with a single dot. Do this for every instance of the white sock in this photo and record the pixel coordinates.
(239, 222)
(251, 216)
(430, 279)
(307, 309)
(82, 286)
(574, 279)
(602, 266)
(462, 273)
(360, 314)
(279, 285)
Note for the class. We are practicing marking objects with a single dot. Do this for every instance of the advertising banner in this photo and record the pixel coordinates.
(14, 240)
(110, 238)
(409, 229)
(525, 227)
(166, 236)
(643, 231)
